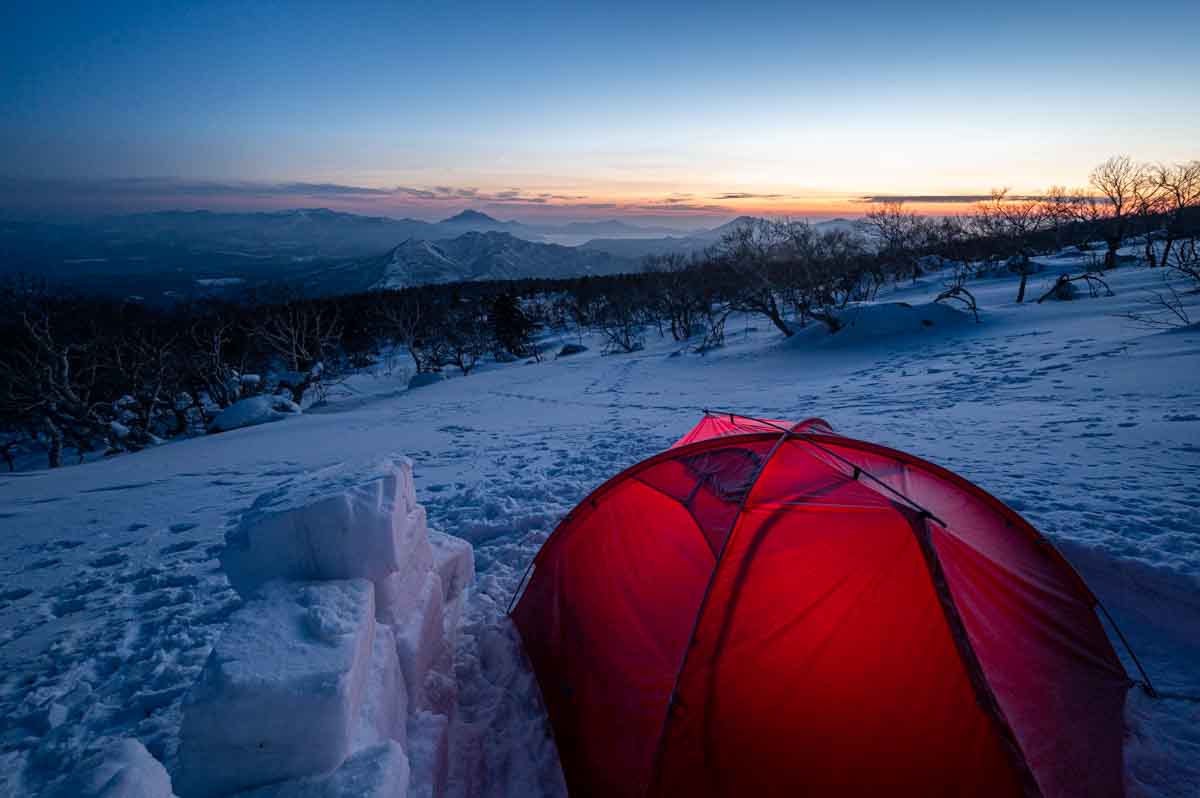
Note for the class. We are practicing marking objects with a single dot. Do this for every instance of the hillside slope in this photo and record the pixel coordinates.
(1081, 421)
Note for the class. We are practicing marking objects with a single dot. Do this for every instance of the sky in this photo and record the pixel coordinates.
(570, 110)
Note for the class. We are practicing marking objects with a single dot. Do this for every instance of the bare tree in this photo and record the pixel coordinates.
(1064, 286)
(1164, 309)
(899, 234)
(214, 372)
(1117, 181)
(1179, 191)
(680, 292)
(304, 335)
(403, 320)
(49, 385)
(749, 252)
(467, 336)
(1067, 212)
(620, 324)
(1013, 220)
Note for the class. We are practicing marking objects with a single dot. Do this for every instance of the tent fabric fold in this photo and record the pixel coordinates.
(772, 608)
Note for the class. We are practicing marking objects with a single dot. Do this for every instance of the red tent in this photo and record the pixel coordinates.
(772, 609)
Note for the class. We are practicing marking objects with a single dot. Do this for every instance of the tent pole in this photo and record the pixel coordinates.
(1147, 685)
(659, 750)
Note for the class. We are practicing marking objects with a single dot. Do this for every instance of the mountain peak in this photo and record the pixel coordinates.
(470, 217)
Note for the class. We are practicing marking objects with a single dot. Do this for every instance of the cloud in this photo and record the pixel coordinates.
(167, 187)
(107, 195)
(947, 199)
(678, 205)
(735, 195)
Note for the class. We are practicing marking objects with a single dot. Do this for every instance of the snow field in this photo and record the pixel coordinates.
(113, 595)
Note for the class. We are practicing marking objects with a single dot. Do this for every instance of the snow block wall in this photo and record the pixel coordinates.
(336, 676)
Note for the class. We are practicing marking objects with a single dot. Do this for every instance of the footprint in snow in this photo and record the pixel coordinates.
(184, 527)
(109, 560)
(176, 548)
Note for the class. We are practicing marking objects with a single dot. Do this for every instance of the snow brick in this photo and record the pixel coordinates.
(398, 594)
(361, 525)
(385, 702)
(423, 650)
(125, 769)
(428, 754)
(380, 771)
(280, 695)
(454, 560)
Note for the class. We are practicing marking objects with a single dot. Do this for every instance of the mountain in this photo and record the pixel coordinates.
(470, 256)
(475, 218)
(313, 232)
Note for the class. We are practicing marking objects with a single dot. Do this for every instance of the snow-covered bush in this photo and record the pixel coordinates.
(252, 411)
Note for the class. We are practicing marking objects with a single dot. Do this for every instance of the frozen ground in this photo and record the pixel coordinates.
(111, 597)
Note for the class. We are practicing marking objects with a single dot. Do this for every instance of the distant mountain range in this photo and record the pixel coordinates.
(202, 253)
(320, 232)
(490, 255)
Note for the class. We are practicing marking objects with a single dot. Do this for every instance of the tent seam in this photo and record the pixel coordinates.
(984, 694)
(656, 766)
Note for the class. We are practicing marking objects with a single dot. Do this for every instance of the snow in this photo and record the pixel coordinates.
(1084, 422)
(454, 560)
(124, 769)
(335, 524)
(253, 410)
(385, 707)
(869, 322)
(424, 651)
(381, 771)
(424, 378)
(219, 282)
(429, 748)
(281, 694)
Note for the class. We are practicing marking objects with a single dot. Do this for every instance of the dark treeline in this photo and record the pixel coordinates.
(90, 375)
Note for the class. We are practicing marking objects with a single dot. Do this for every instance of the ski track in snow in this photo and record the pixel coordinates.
(111, 596)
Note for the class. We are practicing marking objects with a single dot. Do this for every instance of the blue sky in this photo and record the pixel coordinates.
(580, 111)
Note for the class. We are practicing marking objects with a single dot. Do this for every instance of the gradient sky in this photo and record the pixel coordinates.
(532, 110)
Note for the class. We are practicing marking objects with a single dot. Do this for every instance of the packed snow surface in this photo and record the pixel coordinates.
(113, 598)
